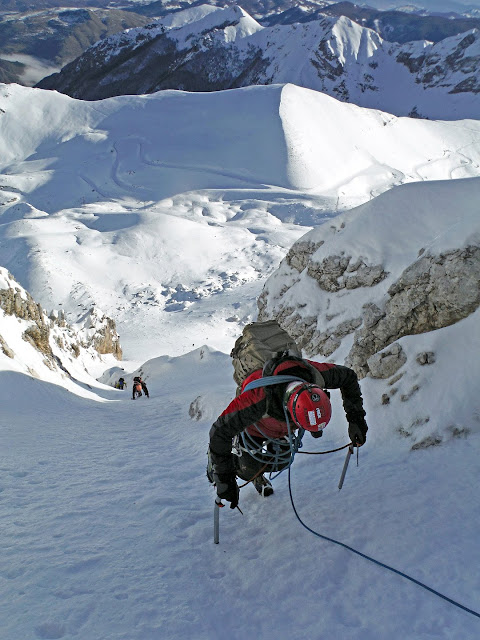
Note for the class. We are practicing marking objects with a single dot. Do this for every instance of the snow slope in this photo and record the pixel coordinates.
(107, 523)
(150, 207)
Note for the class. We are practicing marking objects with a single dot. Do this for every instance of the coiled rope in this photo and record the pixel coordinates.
(377, 562)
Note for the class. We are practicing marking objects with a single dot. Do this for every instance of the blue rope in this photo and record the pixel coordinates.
(270, 380)
(294, 442)
(380, 564)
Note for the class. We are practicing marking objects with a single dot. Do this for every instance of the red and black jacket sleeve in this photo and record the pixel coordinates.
(243, 411)
(336, 376)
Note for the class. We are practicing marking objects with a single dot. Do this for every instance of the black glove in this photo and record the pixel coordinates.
(227, 488)
(317, 434)
(357, 429)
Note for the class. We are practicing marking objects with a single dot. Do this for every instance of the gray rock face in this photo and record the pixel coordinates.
(332, 274)
(387, 362)
(299, 255)
(434, 292)
(99, 331)
(408, 320)
(106, 339)
(339, 272)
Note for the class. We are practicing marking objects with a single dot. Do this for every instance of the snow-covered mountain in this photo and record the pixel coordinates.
(402, 25)
(459, 7)
(205, 49)
(160, 209)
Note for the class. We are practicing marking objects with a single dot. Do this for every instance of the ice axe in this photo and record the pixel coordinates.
(216, 520)
(345, 466)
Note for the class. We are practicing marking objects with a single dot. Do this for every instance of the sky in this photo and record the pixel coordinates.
(432, 6)
(169, 212)
(429, 5)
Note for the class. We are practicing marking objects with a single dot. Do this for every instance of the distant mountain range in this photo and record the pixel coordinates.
(395, 26)
(208, 49)
(404, 24)
(55, 36)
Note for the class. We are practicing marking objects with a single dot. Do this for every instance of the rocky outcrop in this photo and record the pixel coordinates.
(386, 363)
(332, 274)
(6, 349)
(340, 272)
(299, 255)
(44, 332)
(392, 289)
(101, 331)
(434, 292)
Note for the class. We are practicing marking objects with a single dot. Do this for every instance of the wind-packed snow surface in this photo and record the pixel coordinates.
(107, 523)
(168, 212)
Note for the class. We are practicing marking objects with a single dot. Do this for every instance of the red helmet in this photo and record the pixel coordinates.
(308, 405)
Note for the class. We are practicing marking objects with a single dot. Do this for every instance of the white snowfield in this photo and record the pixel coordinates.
(148, 205)
(168, 212)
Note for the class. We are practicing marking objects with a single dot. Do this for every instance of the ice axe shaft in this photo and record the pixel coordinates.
(216, 520)
(345, 466)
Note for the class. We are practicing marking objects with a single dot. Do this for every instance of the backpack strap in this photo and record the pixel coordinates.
(268, 381)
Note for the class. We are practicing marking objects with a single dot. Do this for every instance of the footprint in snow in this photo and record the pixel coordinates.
(50, 631)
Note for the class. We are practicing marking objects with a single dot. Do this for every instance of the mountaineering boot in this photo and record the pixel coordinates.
(263, 486)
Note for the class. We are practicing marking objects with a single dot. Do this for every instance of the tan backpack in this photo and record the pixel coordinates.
(259, 342)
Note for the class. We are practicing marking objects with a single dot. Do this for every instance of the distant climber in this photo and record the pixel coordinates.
(121, 384)
(139, 386)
